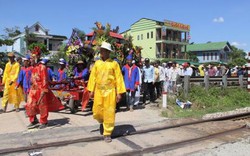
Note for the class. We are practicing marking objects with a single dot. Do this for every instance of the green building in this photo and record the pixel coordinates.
(160, 39)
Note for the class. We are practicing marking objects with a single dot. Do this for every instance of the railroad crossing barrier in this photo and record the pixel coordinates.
(224, 81)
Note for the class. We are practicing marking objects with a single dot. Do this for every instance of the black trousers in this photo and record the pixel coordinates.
(148, 88)
(158, 88)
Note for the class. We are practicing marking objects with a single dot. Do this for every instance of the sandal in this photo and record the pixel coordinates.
(107, 138)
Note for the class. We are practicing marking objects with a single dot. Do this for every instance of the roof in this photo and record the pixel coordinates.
(58, 36)
(147, 19)
(208, 46)
(112, 34)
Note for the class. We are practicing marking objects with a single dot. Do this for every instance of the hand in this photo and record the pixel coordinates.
(11, 83)
(136, 86)
(91, 95)
(40, 99)
(16, 87)
(118, 98)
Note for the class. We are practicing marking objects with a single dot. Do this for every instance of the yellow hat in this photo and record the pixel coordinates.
(11, 54)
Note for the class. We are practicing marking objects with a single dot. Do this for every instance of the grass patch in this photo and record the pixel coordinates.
(213, 100)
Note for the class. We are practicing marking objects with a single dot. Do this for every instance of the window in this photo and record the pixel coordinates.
(204, 56)
(147, 35)
(207, 56)
(50, 46)
(152, 34)
(215, 56)
(212, 55)
(138, 37)
(37, 28)
(141, 36)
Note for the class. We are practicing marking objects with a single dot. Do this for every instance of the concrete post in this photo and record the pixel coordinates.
(186, 85)
(224, 81)
(241, 81)
(206, 81)
(164, 100)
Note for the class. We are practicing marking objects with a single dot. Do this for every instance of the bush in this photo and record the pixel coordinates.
(213, 100)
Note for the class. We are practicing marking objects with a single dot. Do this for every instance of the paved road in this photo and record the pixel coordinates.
(66, 126)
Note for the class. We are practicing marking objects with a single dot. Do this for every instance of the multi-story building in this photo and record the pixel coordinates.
(211, 51)
(40, 34)
(159, 39)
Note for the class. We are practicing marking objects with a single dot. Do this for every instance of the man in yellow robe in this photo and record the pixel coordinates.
(11, 94)
(106, 85)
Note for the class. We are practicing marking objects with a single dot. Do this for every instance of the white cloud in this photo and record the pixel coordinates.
(237, 44)
(218, 20)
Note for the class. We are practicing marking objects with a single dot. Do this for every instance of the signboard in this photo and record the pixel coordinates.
(177, 25)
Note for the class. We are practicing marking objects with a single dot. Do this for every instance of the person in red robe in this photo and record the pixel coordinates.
(41, 100)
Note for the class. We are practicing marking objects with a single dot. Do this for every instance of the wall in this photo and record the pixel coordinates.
(209, 59)
(15, 46)
(141, 28)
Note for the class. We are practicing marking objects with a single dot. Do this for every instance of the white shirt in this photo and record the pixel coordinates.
(162, 73)
(173, 73)
(1, 71)
(188, 71)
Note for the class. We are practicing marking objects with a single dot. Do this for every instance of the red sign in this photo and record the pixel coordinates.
(177, 25)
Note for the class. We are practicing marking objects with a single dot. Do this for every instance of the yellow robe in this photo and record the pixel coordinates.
(10, 94)
(106, 81)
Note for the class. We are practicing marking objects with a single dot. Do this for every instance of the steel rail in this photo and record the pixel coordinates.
(98, 138)
(176, 145)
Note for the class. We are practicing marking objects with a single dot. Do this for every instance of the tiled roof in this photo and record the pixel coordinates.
(207, 46)
(112, 34)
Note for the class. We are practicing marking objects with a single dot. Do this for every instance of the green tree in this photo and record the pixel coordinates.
(5, 39)
(60, 54)
(42, 46)
(192, 57)
(29, 37)
(3, 59)
(237, 57)
(12, 32)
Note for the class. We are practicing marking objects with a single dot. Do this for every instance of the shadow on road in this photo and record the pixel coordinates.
(122, 130)
(59, 122)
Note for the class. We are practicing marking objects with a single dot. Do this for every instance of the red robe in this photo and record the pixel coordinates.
(49, 103)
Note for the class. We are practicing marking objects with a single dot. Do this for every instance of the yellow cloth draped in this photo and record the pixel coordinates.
(106, 81)
(11, 95)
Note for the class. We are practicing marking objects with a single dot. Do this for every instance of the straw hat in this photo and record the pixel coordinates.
(11, 54)
(80, 62)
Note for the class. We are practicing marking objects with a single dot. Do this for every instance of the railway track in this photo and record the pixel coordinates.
(140, 150)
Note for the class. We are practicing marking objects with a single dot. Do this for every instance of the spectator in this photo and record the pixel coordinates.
(148, 79)
(131, 78)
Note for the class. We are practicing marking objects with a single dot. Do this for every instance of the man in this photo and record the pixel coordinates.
(10, 75)
(157, 83)
(106, 85)
(162, 75)
(173, 75)
(49, 70)
(41, 100)
(148, 79)
(24, 77)
(188, 71)
(61, 74)
(81, 72)
(131, 77)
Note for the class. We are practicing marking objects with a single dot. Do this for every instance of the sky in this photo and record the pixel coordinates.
(210, 20)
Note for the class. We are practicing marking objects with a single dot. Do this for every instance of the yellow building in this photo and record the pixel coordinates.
(160, 39)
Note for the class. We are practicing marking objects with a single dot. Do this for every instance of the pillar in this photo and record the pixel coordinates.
(47, 44)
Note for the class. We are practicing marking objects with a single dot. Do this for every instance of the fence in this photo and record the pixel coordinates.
(219, 81)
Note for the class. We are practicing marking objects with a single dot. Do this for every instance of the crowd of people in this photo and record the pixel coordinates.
(104, 81)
